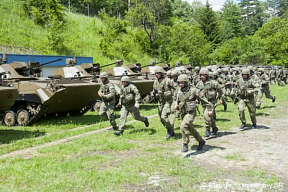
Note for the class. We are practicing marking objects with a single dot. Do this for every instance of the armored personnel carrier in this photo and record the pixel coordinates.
(39, 96)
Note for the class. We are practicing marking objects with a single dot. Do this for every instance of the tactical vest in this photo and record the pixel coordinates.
(127, 95)
(186, 100)
(243, 87)
(106, 89)
(163, 90)
(208, 90)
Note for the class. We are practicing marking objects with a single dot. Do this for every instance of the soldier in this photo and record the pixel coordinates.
(246, 87)
(169, 74)
(195, 76)
(129, 100)
(209, 89)
(162, 89)
(280, 77)
(272, 75)
(264, 87)
(186, 103)
(107, 94)
(174, 113)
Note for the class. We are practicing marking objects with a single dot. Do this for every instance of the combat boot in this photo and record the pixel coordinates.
(118, 133)
(214, 131)
(146, 122)
(274, 99)
(242, 126)
(207, 133)
(201, 144)
(170, 133)
(185, 148)
(254, 126)
(258, 106)
(225, 107)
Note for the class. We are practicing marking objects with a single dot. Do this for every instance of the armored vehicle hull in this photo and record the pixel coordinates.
(8, 96)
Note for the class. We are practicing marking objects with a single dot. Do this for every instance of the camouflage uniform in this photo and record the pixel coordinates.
(174, 112)
(264, 88)
(195, 76)
(281, 77)
(209, 89)
(186, 101)
(163, 89)
(245, 93)
(272, 75)
(129, 96)
(108, 98)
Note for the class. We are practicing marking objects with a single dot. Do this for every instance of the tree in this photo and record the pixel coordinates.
(209, 24)
(233, 15)
(253, 15)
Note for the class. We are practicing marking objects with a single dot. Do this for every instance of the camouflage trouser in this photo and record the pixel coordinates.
(164, 110)
(260, 95)
(272, 80)
(209, 120)
(107, 110)
(251, 108)
(224, 97)
(281, 81)
(188, 129)
(125, 110)
(173, 114)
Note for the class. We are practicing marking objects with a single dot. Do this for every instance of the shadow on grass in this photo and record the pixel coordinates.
(262, 114)
(249, 127)
(219, 119)
(221, 134)
(133, 130)
(268, 107)
(83, 120)
(8, 136)
(204, 150)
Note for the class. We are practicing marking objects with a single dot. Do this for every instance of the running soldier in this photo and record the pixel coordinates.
(245, 93)
(130, 101)
(186, 103)
(264, 87)
(162, 90)
(107, 94)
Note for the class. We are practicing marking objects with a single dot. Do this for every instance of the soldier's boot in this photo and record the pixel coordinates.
(170, 133)
(254, 126)
(201, 144)
(118, 133)
(274, 99)
(185, 148)
(258, 106)
(207, 133)
(146, 122)
(242, 126)
(225, 106)
(214, 131)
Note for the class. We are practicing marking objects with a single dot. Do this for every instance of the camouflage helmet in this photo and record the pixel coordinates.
(261, 69)
(250, 68)
(225, 69)
(215, 73)
(211, 74)
(103, 75)
(204, 71)
(168, 73)
(174, 73)
(125, 78)
(159, 69)
(197, 68)
(245, 72)
(183, 78)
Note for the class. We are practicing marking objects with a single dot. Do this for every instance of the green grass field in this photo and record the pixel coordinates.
(140, 160)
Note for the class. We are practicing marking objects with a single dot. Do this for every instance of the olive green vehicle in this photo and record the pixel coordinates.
(144, 85)
(55, 95)
(148, 71)
(8, 95)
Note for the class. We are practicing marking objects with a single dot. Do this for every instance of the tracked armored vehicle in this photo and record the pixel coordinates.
(39, 96)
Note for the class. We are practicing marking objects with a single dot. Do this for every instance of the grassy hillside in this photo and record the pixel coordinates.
(19, 34)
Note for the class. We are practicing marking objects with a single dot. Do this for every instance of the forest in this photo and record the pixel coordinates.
(246, 32)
